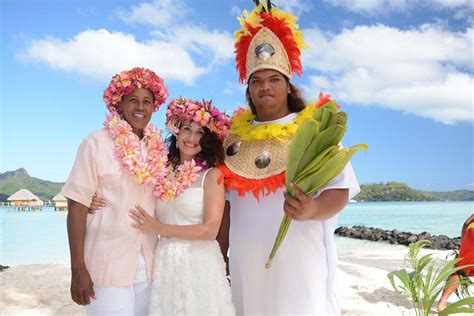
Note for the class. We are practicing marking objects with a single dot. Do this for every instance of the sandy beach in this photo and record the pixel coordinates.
(362, 284)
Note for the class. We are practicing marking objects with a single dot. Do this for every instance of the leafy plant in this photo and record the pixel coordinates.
(426, 281)
(465, 282)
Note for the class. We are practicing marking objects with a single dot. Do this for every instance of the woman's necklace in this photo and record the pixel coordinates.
(177, 180)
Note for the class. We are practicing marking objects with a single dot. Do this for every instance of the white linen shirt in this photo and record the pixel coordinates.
(111, 245)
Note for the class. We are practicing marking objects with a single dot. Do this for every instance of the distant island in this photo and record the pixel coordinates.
(397, 191)
(12, 181)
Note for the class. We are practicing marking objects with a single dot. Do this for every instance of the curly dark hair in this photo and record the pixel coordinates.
(296, 103)
(212, 150)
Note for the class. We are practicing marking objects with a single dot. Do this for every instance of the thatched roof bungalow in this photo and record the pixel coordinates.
(60, 202)
(25, 200)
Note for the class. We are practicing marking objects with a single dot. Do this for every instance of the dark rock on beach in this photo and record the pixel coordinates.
(439, 242)
(3, 267)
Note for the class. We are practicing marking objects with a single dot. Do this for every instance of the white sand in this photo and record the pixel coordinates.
(37, 289)
(362, 284)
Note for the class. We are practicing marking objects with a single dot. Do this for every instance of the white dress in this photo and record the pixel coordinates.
(300, 279)
(189, 275)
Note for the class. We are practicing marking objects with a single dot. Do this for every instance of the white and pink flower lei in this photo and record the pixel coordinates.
(148, 170)
(203, 113)
(154, 169)
(177, 181)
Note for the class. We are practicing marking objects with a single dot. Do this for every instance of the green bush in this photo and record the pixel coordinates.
(425, 282)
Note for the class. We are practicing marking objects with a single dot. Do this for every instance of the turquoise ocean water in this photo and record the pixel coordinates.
(41, 237)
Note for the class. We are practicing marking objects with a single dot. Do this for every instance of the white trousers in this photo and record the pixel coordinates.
(124, 300)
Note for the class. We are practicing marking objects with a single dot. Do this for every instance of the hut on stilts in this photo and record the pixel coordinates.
(60, 202)
(24, 200)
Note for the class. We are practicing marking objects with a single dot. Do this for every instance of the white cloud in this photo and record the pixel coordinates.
(296, 7)
(86, 12)
(453, 4)
(463, 9)
(232, 88)
(217, 44)
(229, 87)
(373, 7)
(370, 6)
(425, 71)
(183, 52)
(100, 53)
(236, 11)
(157, 13)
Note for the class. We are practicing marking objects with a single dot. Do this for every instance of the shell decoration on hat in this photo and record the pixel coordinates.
(255, 155)
(268, 39)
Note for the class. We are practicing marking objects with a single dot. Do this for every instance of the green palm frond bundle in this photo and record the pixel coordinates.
(315, 157)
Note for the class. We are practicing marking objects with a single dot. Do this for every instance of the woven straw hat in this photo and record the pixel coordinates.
(267, 52)
(269, 38)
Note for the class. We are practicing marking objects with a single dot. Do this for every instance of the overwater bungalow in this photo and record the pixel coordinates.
(24, 200)
(60, 202)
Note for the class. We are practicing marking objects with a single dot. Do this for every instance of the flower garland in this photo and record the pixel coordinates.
(203, 113)
(147, 170)
(242, 126)
(128, 81)
(242, 123)
(176, 181)
(154, 169)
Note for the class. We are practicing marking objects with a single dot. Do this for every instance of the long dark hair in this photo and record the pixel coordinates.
(211, 154)
(296, 102)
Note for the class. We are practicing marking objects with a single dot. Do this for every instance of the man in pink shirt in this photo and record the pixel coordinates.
(111, 262)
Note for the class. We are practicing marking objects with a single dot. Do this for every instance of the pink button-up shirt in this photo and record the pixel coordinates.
(111, 245)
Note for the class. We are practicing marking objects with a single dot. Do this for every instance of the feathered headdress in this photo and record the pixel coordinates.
(269, 39)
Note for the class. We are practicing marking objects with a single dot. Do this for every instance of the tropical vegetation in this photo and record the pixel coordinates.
(425, 281)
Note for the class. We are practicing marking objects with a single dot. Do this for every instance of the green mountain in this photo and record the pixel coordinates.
(396, 191)
(12, 181)
(458, 195)
(392, 191)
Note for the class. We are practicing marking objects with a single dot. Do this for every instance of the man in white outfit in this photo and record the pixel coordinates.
(300, 279)
(111, 262)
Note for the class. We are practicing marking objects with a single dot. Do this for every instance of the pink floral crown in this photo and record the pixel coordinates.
(128, 81)
(203, 113)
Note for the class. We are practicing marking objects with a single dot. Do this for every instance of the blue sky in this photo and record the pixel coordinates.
(402, 69)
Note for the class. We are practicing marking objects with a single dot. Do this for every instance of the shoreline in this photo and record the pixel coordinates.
(362, 285)
(397, 237)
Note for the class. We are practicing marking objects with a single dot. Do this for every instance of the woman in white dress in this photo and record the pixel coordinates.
(189, 269)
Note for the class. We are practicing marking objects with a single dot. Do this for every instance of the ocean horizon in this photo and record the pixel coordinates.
(41, 236)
